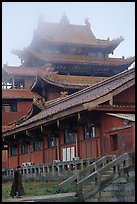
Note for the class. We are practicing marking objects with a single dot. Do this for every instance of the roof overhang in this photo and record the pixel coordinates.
(86, 99)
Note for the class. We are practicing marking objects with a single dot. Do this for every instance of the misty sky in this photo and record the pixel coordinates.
(107, 19)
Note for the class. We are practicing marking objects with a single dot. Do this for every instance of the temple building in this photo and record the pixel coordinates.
(68, 99)
(72, 50)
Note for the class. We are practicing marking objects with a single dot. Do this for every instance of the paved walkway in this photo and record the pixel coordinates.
(61, 197)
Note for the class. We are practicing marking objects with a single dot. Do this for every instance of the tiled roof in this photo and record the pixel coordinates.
(71, 34)
(81, 59)
(35, 109)
(31, 112)
(130, 117)
(6, 127)
(66, 33)
(27, 71)
(18, 94)
(72, 81)
(89, 94)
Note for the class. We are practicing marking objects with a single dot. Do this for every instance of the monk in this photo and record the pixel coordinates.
(17, 187)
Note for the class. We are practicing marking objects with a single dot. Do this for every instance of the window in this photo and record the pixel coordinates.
(51, 141)
(24, 149)
(3, 108)
(36, 145)
(13, 151)
(19, 83)
(6, 85)
(68, 153)
(69, 137)
(89, 131)
(99, 54)
(13, 107)
(114, 139)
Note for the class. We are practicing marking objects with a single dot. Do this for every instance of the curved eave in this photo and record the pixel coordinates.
(32, 111)
(111, 46)
(37, 83)
(77, 59)
(6, 128)
(99, 93)
(49, 80)
(105, 45)
(66, 86)
(17, 52)
(95, 43)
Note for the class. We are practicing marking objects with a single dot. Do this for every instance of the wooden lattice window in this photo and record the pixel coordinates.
(36, 145)
(13, 151)
(13, 107)
(51, 140)
(69, 136)
(89, 131)
(24, 149)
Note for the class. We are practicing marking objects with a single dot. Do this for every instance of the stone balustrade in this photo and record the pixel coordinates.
(52, 171)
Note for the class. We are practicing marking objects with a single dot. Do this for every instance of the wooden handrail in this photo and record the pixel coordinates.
(92, 167)
(124, 160)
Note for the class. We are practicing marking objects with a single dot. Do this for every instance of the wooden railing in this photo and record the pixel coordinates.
(87, 171)
(119, 165)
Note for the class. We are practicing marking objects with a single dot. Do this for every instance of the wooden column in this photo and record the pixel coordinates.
(58, 157)
(77, 144)
(43, 147)
(18, 155)
(30, 150)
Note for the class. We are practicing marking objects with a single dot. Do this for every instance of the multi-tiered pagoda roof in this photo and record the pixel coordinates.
(73, 49)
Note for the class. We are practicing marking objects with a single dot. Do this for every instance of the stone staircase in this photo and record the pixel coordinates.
(99, 174)
(119, 190)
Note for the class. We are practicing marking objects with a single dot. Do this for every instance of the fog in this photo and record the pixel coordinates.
(107, 19)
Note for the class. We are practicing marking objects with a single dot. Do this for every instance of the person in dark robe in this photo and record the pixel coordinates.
(17, 188)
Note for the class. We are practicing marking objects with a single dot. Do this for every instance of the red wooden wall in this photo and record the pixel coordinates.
(110, 126)
(23, 108)
(126, 96)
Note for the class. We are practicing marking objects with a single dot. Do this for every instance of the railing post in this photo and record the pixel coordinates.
(79, 192)
(98, 180)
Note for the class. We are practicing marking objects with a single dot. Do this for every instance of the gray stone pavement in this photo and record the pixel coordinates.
(61, 197)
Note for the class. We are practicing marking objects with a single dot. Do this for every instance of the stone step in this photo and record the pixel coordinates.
(87, 187)
(107, 194)
(92, 200)
(105, 199)
(109, 172)
(105, 176)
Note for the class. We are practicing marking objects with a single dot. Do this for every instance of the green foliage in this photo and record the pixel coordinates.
(40, 188)
(70, 187)
(34, 188)
(6, 186)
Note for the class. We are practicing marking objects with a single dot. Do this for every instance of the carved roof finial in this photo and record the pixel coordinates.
(64, 19)
(87, 22)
